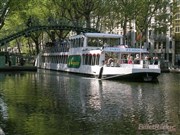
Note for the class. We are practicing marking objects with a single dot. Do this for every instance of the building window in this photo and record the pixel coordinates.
(170, 57)
(159, 45)
(170, 45)
(177, 29)
(164, 45)
(149, 45)
(155, 45)
(177, 16)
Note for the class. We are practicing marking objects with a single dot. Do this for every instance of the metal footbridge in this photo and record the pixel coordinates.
(28, 30)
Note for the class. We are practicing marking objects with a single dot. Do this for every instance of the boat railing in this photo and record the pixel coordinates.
(140, 64)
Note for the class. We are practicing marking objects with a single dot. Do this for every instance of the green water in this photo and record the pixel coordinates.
(55, 103)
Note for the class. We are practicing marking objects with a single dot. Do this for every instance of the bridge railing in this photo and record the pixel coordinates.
(7, 35)
(58, 22)
(6, 32)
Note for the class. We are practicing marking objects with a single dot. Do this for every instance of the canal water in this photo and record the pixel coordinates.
(56, 103)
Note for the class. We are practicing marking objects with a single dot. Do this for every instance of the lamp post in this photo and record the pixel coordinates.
(141, 36)
(141, 32)
(129, 37)
(133, 32)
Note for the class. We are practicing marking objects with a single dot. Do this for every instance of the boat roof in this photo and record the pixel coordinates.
(100, 35)
(105, 35)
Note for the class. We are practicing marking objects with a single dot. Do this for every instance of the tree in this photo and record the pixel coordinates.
(148, 9)
(98, 14)
(4, 9)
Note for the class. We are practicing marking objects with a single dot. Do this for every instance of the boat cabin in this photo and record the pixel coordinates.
(95, 40)
(121, 56)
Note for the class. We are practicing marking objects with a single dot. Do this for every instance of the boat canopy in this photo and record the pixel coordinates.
(125, 50)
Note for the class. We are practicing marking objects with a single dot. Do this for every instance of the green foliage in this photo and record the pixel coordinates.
(88, 13)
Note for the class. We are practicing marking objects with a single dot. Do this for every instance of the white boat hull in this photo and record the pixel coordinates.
(129, 73)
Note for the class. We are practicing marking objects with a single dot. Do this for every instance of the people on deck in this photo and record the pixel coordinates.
(137, 59)
(111, 62)
(155, 60)
(130, 60)
(124, 60)
(146, 60)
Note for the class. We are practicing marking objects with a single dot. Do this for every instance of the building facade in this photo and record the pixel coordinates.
(176, 34)
(163, 36)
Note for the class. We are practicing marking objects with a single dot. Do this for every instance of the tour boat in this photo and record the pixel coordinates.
(99, 55)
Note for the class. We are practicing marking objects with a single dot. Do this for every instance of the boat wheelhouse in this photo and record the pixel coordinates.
(99, 55)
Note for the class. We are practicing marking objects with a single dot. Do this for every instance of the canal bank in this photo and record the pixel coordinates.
(18, 68)
(175, 70)
(10, 62)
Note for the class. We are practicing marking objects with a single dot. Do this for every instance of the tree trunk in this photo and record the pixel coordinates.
(18, 45)
(124, 30)
(37, 46)
(3, 14)
(36, 41)
(88, 21)
(29, 45)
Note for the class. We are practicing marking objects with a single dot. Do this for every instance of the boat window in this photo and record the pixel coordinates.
(90, 59)
(57, 59)
(66, 59)
(81, 42)
(93, 59)
(78, 42)
(112, 59)
(93, 42)
(86, 59)
(43, 59)
(124, 59)
(49, 59)
(98, 42)
(62, 58)
(74, 43)
(97, 59)
(54, 59)
(159, 46)
(114, 41)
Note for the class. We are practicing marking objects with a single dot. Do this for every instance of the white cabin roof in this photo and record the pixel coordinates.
(105, 35)
(100, 35)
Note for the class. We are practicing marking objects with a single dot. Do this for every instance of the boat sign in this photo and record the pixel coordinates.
(128, 50)
(74, 61)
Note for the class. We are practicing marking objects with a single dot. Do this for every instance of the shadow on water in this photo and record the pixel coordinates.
(54, 103)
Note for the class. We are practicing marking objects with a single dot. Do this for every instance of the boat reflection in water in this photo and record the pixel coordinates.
(128, 105)
(58, 103)
(114, 104)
